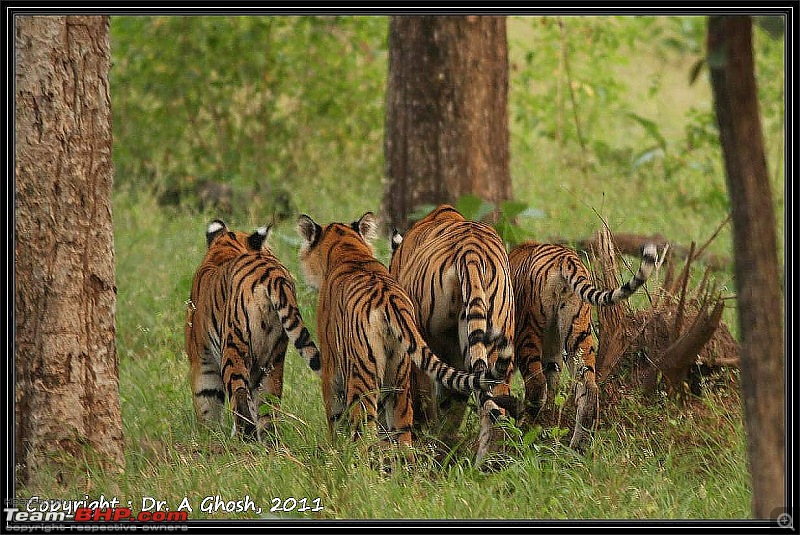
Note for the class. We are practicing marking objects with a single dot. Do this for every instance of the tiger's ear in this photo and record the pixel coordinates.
(257, 239)
(397, 239)
(367, 226)
(308, 229)
(214, 229)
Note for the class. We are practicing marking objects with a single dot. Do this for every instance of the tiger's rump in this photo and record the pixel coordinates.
(456, 273)
(554, 296)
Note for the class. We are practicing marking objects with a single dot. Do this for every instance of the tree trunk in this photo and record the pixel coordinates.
(67, 394)
(446, 112)
(759, 299)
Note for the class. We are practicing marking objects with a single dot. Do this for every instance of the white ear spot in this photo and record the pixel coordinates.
(266, 232)
(397, 239)
(215, 226)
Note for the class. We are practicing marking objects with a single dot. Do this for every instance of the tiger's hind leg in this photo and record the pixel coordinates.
(552, 363)
(543, 349)
(363, 408)
(586, 404)
(423, 396)
(491, 436)
(236, 366)
(580, 346)
(396, 403)
(528, 359)
(333, 398)
(491, 452)
(449, 407)
(395, 407)
(244, 410)
(208, 391)
(587, 407)
(268, 396)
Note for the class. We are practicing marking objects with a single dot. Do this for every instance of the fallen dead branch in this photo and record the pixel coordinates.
(679, 335)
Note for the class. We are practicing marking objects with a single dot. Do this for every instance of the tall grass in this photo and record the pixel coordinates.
(647, 461)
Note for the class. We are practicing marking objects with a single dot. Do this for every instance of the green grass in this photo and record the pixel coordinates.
(650, 460)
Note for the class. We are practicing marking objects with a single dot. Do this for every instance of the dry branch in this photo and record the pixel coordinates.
(675, 362)
(656, 342)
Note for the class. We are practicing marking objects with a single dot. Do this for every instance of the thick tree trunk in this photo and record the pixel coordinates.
(759, 299)
(446, 112)
(67, 394)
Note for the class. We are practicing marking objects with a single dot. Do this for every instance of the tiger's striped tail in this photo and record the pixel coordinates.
(470, 270)
(479, 334)
(590, 294)
(402, 326)
(282, 296)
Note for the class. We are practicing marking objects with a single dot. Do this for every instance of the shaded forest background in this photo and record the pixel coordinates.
(594, 102)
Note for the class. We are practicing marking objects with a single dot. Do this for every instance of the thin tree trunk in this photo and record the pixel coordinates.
(446, 112)
(759, 298)
(67, 395)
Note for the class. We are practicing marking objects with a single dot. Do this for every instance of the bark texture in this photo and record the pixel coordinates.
(760, 303)
(67, 393)
(446, 113)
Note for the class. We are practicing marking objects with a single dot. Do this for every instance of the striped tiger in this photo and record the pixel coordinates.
(553, 295)
(367, 333)
(241, 314)
(457, 275)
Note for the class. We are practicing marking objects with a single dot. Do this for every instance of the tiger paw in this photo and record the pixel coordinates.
(497, 408)
(586, 400)
(552, 372)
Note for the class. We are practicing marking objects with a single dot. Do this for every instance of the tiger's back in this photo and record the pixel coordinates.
(457, 275)
(241, 315)
(367, 332)
(554, 297)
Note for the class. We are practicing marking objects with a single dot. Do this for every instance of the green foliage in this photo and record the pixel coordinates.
(508, 213)
(237, 100)
(649, 161)
(592, 100)
(473, 207)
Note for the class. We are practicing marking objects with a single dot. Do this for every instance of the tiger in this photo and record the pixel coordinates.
(368, 336)
(457, 274)
(242, 313)
(553, 296)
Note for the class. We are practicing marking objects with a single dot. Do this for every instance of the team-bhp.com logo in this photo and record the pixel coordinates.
(86, 514)
(49, 512)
